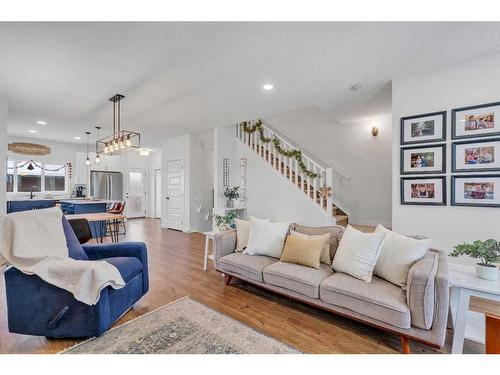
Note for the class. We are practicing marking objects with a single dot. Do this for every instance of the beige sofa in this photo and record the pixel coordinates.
(419, 313)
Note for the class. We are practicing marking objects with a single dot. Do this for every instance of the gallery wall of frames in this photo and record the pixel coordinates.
(475, 157)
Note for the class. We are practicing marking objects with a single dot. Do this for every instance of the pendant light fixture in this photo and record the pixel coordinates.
(97, 157)
(87, 161)
(121, 139)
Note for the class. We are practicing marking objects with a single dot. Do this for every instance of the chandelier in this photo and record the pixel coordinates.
(121, 139)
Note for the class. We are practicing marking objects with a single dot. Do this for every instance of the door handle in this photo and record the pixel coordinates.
(168, 198)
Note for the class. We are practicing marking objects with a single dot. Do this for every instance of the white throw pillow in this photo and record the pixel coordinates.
(357, 253)
(397, 254)
(242, 231)
(266, 238)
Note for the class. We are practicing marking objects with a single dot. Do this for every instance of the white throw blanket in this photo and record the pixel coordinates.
(34, 243)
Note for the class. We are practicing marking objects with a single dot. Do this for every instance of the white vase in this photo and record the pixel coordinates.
(487, 272)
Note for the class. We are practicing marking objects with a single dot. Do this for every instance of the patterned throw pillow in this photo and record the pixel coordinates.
(305, 251)
(397, 254)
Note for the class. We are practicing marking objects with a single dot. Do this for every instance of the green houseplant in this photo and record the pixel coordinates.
(488, 252)
(231, 194)
(223, 222)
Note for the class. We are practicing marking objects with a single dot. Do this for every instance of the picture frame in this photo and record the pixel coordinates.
(424, 128)
(481, 155)
(476, 121)
(480, 190)
(427, 159)
(424, 191)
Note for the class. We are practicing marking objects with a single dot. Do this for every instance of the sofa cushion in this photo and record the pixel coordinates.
(127, 266)
(300, 279)
(325, 248)
(246, 266)
(420, 290)
(335, 231)
(397, 254)
(305, 251)
(379, 299)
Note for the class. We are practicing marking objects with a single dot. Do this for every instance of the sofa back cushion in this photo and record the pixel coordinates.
(75, 249)
(336, 232)
(305, 251)
(420, 290)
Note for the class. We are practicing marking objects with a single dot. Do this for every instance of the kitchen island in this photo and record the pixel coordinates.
(87, 206)
(18, 205)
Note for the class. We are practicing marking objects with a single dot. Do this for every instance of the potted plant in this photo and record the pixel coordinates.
(231, 194)
(223, 222)
(488, 252)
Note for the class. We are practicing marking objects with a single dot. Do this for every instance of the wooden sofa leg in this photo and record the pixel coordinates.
(405, 344)
(228, 279)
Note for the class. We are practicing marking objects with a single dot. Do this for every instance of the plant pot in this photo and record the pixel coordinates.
(230, 203)
(486, 272)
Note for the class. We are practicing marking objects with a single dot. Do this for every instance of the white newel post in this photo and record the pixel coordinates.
(329, 200)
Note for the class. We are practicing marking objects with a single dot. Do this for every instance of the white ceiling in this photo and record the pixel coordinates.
(184, 77)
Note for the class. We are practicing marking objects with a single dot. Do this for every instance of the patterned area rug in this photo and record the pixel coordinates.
(182, 327)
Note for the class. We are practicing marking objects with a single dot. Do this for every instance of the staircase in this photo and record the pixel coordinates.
(289, 168)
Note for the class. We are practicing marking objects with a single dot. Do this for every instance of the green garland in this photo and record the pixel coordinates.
(296, 154)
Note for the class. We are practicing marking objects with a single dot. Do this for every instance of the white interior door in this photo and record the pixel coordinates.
(158, 193)
(175, 194)
(136, 193)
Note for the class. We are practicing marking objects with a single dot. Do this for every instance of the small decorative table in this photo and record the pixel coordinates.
(464, 283)
(208, 236)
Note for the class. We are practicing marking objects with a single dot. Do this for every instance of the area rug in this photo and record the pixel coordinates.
(182, 327)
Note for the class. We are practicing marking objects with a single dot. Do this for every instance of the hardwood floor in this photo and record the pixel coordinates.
(176, 270)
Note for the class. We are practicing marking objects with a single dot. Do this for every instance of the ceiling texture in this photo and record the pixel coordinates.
(189, 77)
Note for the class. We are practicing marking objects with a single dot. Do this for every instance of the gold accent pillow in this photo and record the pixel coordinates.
(303, 251)
(325, 251)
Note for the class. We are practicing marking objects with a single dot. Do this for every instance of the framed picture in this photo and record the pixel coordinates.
(427, 128)
(475, 190)
(423, 159)
(476, 121)
(423, 190)
(475, 156)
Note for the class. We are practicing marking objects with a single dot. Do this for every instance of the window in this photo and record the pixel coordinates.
(29, 177)
(10, 176)
(55, 177)
(35, 177)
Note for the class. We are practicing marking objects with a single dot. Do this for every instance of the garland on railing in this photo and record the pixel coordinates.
(296, 154)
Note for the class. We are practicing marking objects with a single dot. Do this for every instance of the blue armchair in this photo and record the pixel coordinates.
(35, 307)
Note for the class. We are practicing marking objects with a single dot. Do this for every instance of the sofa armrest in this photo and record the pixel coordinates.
(124, 249)
(224, 244)
(427, 293)
(442, 298)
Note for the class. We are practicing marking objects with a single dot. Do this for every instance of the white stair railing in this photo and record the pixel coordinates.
(287, 166)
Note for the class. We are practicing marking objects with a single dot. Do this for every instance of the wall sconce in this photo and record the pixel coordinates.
(375, 131)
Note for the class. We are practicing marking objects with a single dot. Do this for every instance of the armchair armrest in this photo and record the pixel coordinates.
(124, 249)
(224, 244)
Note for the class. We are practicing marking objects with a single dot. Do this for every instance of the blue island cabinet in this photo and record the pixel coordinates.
(76, 207)
(29, 204)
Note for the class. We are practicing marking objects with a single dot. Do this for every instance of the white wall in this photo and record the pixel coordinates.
(154, 164)
(196, 151)
(3, 154)
(452, 87)
(349, 147)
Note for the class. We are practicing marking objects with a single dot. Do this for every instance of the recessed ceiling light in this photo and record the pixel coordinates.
(33, 131)
(41, 122)
(268, 87)
(77, 138)
(356, 87)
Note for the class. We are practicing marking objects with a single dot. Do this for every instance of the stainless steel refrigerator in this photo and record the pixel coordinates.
(106, 185)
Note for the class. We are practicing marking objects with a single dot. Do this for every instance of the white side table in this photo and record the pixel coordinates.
(208, 236)
(464, 283)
